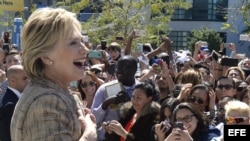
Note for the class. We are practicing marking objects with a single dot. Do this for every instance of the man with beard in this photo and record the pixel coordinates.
(125, 73)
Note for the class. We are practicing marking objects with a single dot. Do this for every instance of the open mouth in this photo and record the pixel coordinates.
(79, 63)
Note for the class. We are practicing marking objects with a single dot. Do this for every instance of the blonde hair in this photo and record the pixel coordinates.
(44, 28)
(241, 72)
(237, 106)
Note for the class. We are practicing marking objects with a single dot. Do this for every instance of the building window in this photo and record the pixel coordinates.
(203, 10)
(180, 39)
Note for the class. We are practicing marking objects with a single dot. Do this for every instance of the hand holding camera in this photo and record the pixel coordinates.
(161, 129)
(229, 62)
(111, 68)
(178, 125)
(121, 97)
(156, 66)
(178, 133)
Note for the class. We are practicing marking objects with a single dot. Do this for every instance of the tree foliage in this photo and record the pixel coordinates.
(245, 11)
(72, 5)
(205, 34)
(119, 17)
(239, 9)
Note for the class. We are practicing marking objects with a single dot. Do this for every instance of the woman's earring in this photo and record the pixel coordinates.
(50, 62)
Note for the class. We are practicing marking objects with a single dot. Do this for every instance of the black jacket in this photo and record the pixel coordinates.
(141, 130)
(6, 111)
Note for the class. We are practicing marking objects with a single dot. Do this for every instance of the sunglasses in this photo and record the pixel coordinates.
(187, 118)
(181, 65)
(240, 89)
(235, 119)
(227, 87)
(85, 84)
(193, 99)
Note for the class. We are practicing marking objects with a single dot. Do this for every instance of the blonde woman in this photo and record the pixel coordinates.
(53, 56)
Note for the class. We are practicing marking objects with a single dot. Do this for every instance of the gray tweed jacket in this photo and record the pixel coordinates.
(45, 112)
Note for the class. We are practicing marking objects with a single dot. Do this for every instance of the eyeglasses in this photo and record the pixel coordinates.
(240, 89)
(195, 99)
(235, 119)
(85, 84)
(227, 87)
(187, 118)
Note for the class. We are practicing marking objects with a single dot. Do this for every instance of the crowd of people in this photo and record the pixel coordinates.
(62, 87)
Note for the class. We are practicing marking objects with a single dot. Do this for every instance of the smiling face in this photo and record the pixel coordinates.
(67, 59)
(88, 89)
(190, 121)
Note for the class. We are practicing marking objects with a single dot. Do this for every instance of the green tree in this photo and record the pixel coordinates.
(205, 34)
(237, 10)
(118, 17)
(245, 11)
(73, 5)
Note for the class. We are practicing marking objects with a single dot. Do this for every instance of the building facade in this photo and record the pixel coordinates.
(211, 14)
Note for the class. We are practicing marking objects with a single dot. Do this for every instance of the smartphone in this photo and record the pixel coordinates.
(95, 54)
(229, 62)
(157, 61)
(139, 48)
(179, 125)
(111, 69)
(226, 45)
(215, 56)
(119, 38)
(103, 44)
(73, 84)
(166, 123)
(203, 44)
(6, 47)
(85, 38)
(197, 66)
(166, 59)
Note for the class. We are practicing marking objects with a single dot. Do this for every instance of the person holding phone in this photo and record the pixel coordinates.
(139, 115)
(195, 125)
(7, 42)
(125, 73)
(53, 55)
(164, 127)
(201, 51)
